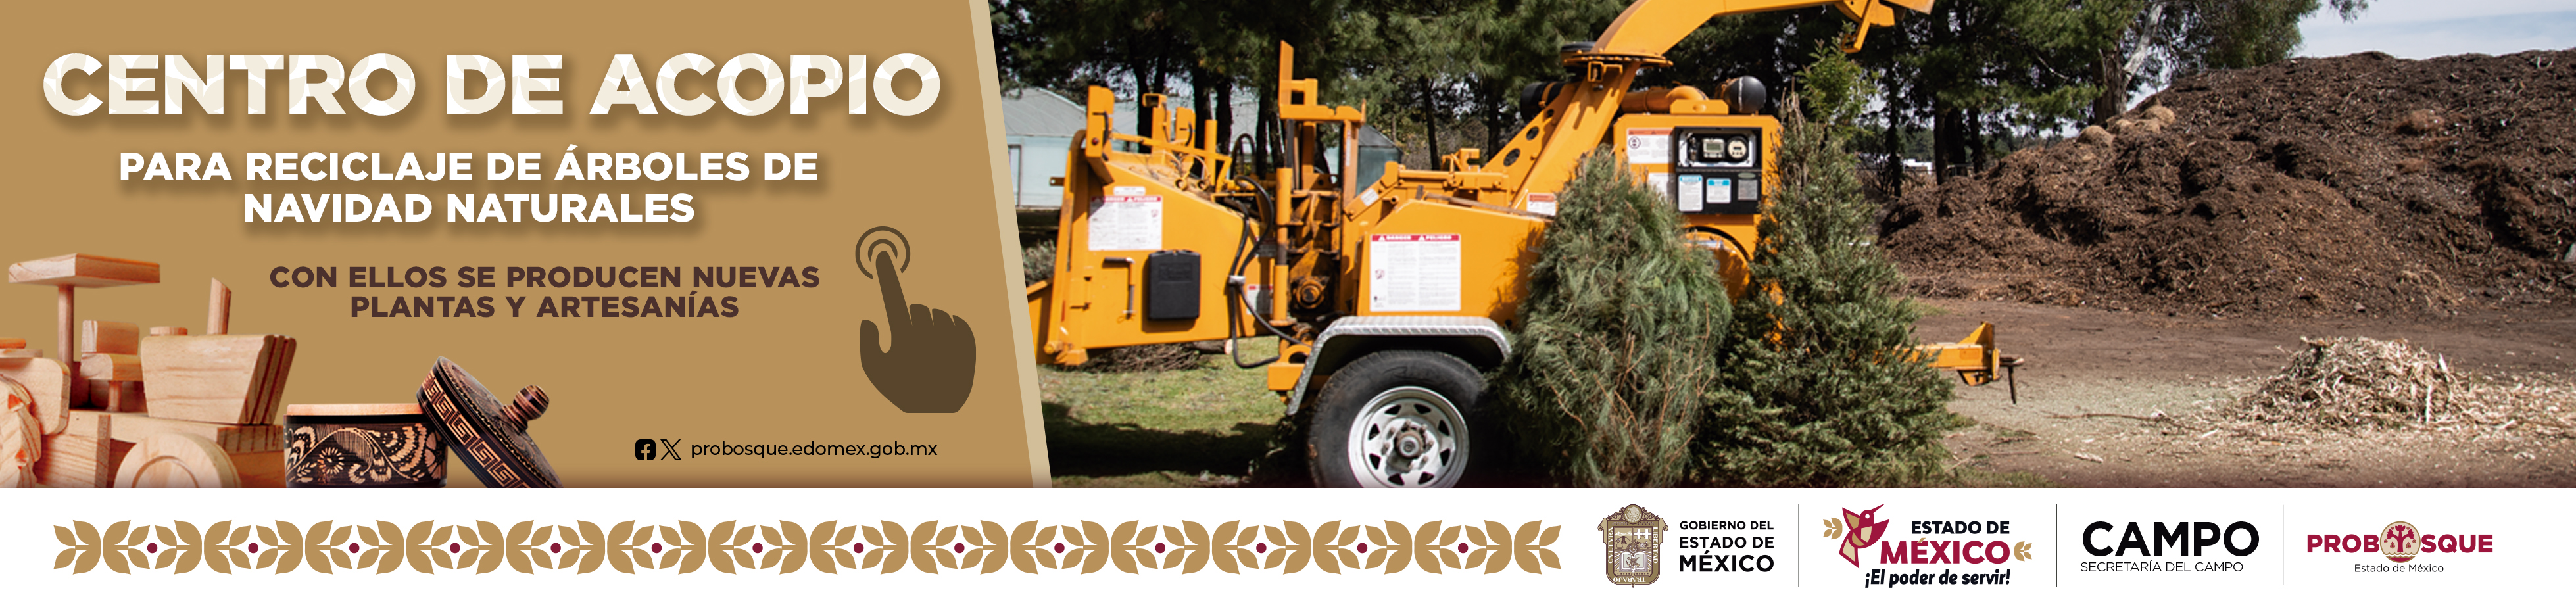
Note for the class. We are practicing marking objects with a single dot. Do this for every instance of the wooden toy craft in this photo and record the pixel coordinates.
(84, 455)
(49, 382)
(21, 441)
(68, 272)
(175, 460)
(251, 453)
(233, 379)
(217, 395)
(216, 377)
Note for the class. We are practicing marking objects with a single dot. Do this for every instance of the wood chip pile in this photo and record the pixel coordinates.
(2356, 185)
(2359, 382)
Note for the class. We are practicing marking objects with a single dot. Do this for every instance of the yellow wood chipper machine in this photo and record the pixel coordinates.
(1387, 299)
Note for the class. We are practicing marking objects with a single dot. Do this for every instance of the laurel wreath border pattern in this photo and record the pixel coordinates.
(787, 547)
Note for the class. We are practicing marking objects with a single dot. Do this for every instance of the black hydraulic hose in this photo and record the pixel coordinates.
(1238, 150)
(1243, 259)
(1261, 195)
(1234, 320)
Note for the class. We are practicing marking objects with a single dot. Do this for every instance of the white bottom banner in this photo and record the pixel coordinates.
(1244, 544)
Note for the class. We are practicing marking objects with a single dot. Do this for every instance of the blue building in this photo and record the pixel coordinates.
(1039, 125)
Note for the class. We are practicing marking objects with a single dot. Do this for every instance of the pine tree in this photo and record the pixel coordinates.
(1823, 345)
(1620, 340)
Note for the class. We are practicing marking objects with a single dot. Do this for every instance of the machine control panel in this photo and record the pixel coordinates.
(1717, 170)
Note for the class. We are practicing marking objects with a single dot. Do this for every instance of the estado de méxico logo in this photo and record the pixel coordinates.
(1632, 542)
(1963, 551)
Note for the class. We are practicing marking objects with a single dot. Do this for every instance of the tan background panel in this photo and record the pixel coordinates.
(786, 371)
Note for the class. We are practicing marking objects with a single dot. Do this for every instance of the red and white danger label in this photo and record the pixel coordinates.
(1126, 222)
(1414, 272)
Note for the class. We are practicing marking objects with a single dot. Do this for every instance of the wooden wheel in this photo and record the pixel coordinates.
(174, 460)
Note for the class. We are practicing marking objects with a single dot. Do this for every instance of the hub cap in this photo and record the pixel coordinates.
(1407, 437)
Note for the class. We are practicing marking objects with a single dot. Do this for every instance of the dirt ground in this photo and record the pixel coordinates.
(2088, 360)
(1130, 429)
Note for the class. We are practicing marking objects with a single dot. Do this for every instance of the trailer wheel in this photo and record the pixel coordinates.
(1394, 419)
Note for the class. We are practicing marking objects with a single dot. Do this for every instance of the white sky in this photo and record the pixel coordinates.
(2423, 29)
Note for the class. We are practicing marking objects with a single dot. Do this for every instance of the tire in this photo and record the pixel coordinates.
(1395, 419)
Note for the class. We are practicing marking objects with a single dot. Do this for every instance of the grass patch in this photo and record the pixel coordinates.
(1972, 472)
(1194, 427)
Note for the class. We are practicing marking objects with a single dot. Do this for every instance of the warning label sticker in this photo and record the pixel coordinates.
(1691, 185)
(1650, 146)
(1126, 222)
(1413, 273)
(1542, 203)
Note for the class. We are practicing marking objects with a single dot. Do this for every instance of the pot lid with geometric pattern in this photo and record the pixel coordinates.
(492, 437)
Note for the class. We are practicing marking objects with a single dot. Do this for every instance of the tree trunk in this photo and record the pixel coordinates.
(2117, 72)
(1490, 101)
(1948, 143)
(1947, 147)
(1225, 114)
(2112, 74)
(1265, 133)
(1153, 62)
(1201, 89)
(1143, 70)
(1893, 142)
(1430, 124)
(1978, 145)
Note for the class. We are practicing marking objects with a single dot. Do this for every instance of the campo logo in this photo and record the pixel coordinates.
(1632, 541)
(2166, 546)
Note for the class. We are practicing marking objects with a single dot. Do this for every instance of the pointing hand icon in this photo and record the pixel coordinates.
(929, 366)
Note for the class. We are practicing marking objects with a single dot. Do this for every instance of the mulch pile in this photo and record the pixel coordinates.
(2364, 384)
(2358, 382)
(2358, 184)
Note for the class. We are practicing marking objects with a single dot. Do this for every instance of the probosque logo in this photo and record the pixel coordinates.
(2402, 543)
(1945, 545)
(1632, 542)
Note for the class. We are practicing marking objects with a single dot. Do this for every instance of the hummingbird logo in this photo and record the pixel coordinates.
(1858, 531)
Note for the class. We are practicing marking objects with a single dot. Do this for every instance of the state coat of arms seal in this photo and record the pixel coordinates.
(1632, 540)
